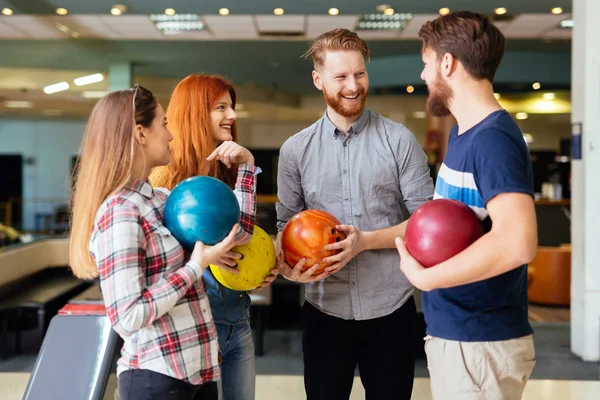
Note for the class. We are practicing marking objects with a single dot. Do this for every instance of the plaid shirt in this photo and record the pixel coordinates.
(155, 300)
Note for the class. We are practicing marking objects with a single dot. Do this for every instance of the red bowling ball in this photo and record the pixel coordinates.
(440, 229)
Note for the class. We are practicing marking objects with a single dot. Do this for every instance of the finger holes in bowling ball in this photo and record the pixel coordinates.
(337, 239)
(332, 231)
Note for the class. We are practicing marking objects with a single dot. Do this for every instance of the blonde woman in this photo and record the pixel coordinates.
(153, 291)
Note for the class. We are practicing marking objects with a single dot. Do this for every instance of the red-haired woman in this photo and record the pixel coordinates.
(154, 295)
(202, 119)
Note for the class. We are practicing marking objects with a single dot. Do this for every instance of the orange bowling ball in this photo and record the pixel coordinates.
(305, 235)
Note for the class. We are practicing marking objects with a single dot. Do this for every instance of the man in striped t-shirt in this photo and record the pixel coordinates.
(479, 342)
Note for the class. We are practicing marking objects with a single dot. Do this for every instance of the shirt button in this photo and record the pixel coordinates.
(345, 172)
(345, 144)
(345, 198)
(204, 310)
(241, 295)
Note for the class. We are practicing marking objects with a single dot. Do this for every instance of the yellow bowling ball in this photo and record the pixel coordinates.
(256, 264)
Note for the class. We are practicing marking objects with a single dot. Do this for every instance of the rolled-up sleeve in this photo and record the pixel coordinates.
(415, 180)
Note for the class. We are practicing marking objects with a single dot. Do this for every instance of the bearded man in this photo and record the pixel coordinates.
(371, 174)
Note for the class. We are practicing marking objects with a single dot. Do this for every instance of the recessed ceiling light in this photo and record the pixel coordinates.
(278, 11)
(170, 11)
(18, 104)
(557, 10)
(410, 89)
(388, 11)
(521, 115)
(334, 11)
(549, 96)
(94, 94)
(536, 85)
(567, 23)
(500, 10)
(444, 11)
(89, 79)
(497, 96)
(420, 115)
(118, 9)
(224, 11)
(57, 87)
(7, 11)
(62, 11)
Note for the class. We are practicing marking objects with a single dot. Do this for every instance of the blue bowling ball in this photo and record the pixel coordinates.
(202, 209)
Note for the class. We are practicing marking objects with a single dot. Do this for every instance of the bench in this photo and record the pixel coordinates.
(35, 282)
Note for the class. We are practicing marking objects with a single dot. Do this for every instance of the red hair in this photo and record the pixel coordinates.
(188, 115)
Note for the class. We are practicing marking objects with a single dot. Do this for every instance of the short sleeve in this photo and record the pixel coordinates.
(502, 164)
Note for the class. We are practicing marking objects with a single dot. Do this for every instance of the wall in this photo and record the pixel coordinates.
(48, 146)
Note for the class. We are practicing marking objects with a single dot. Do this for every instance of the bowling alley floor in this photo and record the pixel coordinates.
(276, 387)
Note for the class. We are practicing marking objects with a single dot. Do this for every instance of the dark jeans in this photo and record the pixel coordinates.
(383, 349)
(140, 384)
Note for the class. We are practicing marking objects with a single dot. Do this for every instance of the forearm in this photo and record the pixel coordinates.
(384, 238)
(490, 256)
(245, 192)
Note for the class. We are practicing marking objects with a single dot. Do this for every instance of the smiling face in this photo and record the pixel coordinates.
(440, 92)
(222, 116)
(344, 81)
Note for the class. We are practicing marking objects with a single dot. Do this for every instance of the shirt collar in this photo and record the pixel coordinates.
(354, 129)
(143, 187)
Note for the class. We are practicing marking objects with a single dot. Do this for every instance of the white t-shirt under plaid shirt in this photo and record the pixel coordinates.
(154, 299)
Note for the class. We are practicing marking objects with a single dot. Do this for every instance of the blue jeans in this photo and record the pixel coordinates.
(237, 366)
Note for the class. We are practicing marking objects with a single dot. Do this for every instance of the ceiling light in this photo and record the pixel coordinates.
(7, 11)
(94, 94)
(63, 28)
(444, 11)
(170, 11)
(410, 89)
(528, 138)
(567, 23)
(334, 11)
(536, 86)
(118, 9)
(62, 11)
(383, 22)
(57, 87)
(89, 79)
(224, 11)
(388, 11)
(420, 115)
(557, 10)
(18, 104)
(521, 115)
(177, 24)
(278, 11)
(549, 96)
(239, 107)
(497, 96)
(500, 10)
(75, 34)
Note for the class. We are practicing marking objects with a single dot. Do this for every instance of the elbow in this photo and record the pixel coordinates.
(525, 251)
(126, 323)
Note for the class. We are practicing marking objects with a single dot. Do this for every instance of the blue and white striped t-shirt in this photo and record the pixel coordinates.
(488, 159)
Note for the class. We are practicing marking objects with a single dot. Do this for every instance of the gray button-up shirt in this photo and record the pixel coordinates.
(371, 178)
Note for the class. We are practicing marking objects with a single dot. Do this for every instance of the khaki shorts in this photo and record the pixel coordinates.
(479, 370)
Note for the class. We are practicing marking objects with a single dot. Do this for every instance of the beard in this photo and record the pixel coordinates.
(336, 102)
(438, 101)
